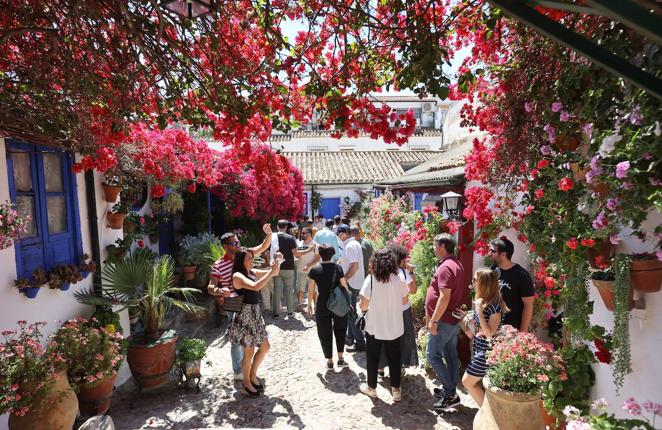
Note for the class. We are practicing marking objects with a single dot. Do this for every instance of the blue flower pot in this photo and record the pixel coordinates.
(31, 292)
(65, 286)
(85, 273)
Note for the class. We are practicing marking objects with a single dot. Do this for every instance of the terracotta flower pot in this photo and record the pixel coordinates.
(94, 398)
(646, 275)
(578, 172)
(115, 220)
(607, 290)
(188, 272)
(505, 410)
(566, 143)
(550, 421)
(57, 411)
(604, 249)
(110, 193)
(600, 188)
(153, 238)
(151, 363)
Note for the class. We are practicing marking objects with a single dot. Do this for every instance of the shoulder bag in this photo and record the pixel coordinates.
(360, 323)
(338, 302)
(233, 304)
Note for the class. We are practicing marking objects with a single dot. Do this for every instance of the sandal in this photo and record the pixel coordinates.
(258, 387)
(248, 393)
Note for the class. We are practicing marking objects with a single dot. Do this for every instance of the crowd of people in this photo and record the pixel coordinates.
(359, 297)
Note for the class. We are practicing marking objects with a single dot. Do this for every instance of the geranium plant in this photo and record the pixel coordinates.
(191, 349)
(12, 225)
(91, 352)
(521, 363)
(602, 420)
(25, 371)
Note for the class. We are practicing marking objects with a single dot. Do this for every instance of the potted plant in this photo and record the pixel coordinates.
(112, 184)
(168, 205)
(116, 217)
(63, 275)
(139, 282)
(600, 256)
(33, 390)
(13, 225)
(39, 278)
(601, 420)
(26, 287)
(118, 250)
(93, 355)
(187, 256)
(133, 223)
(189, 355)
(151, 228)
(520, 366)
(604, 281)
(86, 266)
(646, 272)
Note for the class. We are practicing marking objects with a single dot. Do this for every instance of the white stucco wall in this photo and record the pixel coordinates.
(52, 306)
(336, 191)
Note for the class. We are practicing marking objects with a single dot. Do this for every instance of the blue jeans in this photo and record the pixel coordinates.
(353, 333)
(236, 351)
(442, 356)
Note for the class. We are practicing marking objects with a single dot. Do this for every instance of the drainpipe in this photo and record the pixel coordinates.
(312, 209)
(91, 198)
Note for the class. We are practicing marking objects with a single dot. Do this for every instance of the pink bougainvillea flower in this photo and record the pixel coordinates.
(157, 191)
(557, 106)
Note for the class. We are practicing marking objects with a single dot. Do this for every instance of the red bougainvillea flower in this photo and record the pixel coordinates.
(602, 262)
(157, 191)
(589, 243)
(566, 184)
(539, 193)
(572, 243)
(543, 163)
(191, 188)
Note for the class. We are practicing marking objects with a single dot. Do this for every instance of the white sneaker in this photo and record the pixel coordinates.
(370, 392)
(239, 376)
(397, 394)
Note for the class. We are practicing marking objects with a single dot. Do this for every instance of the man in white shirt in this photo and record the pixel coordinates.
(352, 265)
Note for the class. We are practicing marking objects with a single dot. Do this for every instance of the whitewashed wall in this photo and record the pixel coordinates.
(336, 191)
(52, 306)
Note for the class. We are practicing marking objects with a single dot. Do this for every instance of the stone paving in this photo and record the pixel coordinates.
(300, 392)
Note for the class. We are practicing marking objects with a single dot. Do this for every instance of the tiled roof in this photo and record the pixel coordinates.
(306, 134)
(355, 167)
(446, 167)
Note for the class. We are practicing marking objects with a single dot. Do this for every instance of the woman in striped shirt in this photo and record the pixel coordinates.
(488, 310)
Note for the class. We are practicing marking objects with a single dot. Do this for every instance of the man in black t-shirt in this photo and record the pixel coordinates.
(284, 282)
(515, 284)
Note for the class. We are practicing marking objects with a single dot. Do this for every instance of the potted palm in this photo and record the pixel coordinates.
(147, 286)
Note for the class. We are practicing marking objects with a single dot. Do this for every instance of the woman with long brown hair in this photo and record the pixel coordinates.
(489, 308)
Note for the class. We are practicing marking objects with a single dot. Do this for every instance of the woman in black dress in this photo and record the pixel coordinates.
(322, 278)
(248, 328)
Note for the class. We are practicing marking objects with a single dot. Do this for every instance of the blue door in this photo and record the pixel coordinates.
(418, 198)
(166, 237)
(330, 208)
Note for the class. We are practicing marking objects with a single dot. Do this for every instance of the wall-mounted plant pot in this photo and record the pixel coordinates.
(85, 274)
(646, 275)
(188, 272)
(30, 292)
(607, 290)
(65, 286)
(604, 249)
(110, 193)
(115, 220)
(566, 143)
(153, 238)
(600, 188)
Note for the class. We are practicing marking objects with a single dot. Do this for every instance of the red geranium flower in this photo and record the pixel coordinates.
(566, 184)
(572, 243)
(540, 193)
(543, 163)
(589, 243)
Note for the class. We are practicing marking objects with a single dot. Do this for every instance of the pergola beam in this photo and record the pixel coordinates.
(596, 53)
(644, 22)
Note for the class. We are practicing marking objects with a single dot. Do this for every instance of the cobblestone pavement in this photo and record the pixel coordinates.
(300, 392)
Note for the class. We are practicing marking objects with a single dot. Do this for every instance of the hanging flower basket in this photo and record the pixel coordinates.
(646, 275)
(600, 256)
(110, 193)
(115, 220)
(30, 292)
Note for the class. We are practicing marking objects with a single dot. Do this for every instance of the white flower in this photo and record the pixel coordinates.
(658, 129)
(578, 425)
(608, 144)
(600, 404)
(571, 412)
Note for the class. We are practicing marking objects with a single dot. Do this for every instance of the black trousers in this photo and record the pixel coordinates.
(373, 351)
(327, 327)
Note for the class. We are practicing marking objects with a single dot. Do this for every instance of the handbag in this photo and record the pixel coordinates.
(360, 323)
(338, 302)
(233, 304)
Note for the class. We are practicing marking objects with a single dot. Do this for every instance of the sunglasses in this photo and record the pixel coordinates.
(235, 243)
(494, 251)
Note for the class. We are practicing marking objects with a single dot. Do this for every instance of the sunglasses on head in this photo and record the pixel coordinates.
(494, 251)
(234, 243)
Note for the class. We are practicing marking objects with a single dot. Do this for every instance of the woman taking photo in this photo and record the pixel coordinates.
(325, 277)
(488, 309)
(382, 296)
(247, 328)
(408, 349)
